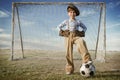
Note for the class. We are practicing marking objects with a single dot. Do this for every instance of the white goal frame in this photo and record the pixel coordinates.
(102, 14)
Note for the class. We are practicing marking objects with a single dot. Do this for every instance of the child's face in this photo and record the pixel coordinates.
(72, 14)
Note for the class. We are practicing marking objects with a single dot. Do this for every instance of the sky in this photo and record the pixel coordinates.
(38, 37)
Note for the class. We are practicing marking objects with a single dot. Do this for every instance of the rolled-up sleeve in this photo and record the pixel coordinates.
(60, 26)
(82, 26)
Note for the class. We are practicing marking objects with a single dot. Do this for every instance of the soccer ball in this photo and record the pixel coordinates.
(87, 70)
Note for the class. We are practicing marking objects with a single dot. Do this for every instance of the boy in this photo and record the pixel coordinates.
(72, 24)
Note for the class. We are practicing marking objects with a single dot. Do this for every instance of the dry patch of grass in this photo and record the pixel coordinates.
(49, 65)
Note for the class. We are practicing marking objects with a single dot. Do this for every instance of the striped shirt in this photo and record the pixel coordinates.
(72, 25)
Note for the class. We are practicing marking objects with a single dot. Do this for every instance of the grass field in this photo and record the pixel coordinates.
(49, 65)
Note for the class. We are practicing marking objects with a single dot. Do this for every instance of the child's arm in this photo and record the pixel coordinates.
(60, 26)
(83, 26)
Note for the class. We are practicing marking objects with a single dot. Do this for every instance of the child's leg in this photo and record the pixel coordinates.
(82, 48)
(69, 54)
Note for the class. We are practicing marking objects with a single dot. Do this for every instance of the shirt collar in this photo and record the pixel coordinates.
(72, 20)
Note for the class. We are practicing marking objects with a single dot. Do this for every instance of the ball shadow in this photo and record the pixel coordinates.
(108, 74)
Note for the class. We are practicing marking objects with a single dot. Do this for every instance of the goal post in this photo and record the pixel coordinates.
(102, 52)
(23, 14)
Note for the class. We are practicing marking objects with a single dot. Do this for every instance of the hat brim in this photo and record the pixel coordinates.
(71, 6)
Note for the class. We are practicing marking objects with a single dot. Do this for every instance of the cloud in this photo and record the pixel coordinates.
(118, 3)
(113, 4)
(119, 16)
(50, 44)
(1, 30)
(113, 25)
(113, 45)
(4, 35)
(85, 13)
(27, 23)
(4, 14)
(55, 29)
(5, 40)
(51, 41)
(113, 41)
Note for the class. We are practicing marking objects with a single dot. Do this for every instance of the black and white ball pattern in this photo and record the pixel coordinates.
(87, 70)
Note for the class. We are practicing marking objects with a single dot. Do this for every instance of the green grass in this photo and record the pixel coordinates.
(41, 65)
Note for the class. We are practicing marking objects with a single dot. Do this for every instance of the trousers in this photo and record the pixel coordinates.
(81, 46)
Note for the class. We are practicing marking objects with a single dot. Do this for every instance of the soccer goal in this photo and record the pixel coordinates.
(34, 26)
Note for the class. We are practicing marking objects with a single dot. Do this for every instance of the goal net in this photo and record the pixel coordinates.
(34, 26)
